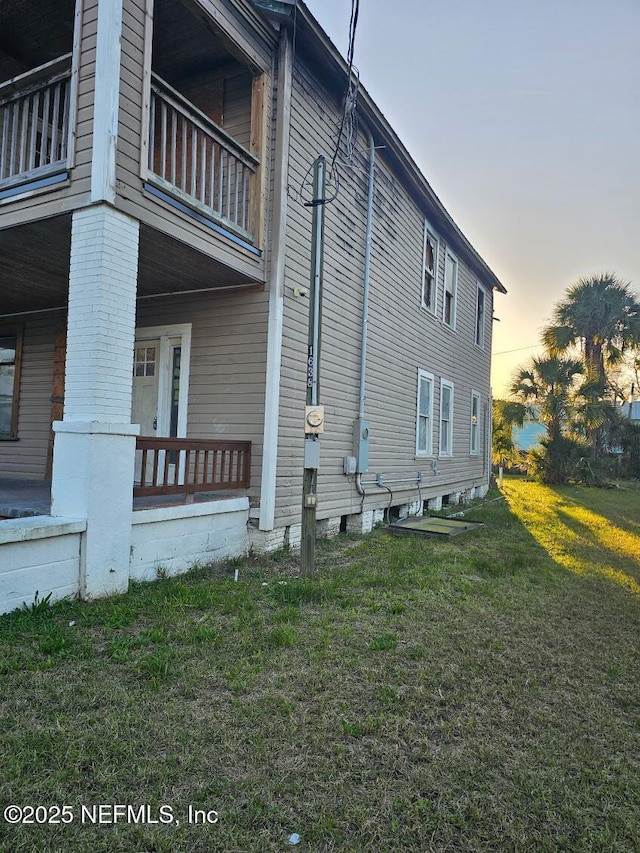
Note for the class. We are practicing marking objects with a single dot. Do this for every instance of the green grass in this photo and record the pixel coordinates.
(475, 694)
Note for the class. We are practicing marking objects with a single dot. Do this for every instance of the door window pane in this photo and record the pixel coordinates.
(10, 351)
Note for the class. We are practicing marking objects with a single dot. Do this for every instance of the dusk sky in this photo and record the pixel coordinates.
(524, 116)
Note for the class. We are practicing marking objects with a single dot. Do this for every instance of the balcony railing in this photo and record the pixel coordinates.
(197, 161)
(34, 123)
(184, 466)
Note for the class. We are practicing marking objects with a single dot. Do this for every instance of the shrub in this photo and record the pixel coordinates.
(565, 459)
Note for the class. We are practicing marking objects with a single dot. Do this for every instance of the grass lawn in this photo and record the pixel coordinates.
(470, 695)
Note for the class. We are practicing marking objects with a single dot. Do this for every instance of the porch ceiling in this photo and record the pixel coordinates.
(34, 266)
(168, 266)
(33, 32)
(185, 43)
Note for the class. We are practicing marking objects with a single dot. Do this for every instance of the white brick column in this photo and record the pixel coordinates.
(94, 448)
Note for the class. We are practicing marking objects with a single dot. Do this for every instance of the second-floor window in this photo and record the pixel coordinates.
(430, 270)
(450, 290)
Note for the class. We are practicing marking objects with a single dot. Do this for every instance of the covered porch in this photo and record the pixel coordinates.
(76, 465)
(201, 454)
(176, 472)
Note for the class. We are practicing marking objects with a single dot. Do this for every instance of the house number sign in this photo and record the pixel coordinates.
(310, 360)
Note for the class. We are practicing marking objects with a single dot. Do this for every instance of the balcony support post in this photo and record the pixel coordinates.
(94, 446)
(276, 284)
(107, 100)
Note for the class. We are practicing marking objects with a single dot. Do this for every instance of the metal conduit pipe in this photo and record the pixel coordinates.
(365, 325)
(382, 482)
(365, 293)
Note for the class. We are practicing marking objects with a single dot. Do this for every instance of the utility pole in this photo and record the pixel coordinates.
(314, 412)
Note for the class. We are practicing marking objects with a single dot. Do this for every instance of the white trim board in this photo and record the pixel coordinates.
(106, 101)
(276, 292)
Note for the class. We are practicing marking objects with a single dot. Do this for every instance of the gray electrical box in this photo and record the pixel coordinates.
(311, 453)
(349, 464)
(361, 445)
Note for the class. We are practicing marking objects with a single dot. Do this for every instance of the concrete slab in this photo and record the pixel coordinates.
(27, 498)
(24, 498)
(434, 526)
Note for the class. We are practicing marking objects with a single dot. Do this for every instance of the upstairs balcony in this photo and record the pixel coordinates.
(34, 123)
(206, 123)
(199, 143)
(196, 161)
(36, 102)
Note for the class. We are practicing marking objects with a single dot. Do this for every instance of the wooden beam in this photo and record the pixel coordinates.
(258, 147)
(57, 388)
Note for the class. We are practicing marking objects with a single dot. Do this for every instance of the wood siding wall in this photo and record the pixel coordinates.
(236, 108)
(229, 340)
(27, 457)
(403, 337)
(227, 372)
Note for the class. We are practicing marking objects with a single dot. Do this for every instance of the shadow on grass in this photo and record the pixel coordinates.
(577, 537)
(471, 692)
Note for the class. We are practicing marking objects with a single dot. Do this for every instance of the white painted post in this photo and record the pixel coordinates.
(94, 448)
(276, 287)
(106, 101)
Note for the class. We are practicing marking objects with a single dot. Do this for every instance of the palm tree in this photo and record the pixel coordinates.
(545, 387)
(602, 315)
(506, 415)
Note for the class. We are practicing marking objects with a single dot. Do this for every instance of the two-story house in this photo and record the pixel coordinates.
(155, 247)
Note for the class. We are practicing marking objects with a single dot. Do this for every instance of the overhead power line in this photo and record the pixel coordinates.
(351, 91)
(518, 349)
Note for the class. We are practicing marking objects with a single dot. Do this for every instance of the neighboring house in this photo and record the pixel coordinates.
(154, 161)
(528, 435)
(631, 410)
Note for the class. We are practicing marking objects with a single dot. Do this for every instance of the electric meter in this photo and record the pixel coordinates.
(314, 419)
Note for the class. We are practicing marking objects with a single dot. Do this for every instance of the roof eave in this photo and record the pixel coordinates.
(381, 128)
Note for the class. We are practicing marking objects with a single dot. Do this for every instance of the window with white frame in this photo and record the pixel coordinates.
(424, 414)
(475, 423)
(430, 269)
(450, 289)
(480, 317)
(10, 358)
(446, 418)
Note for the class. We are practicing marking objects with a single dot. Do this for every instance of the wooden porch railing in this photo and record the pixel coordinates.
(34, 122)
(193, 158)
(185, 465)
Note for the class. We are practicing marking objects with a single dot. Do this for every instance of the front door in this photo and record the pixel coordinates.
(146, 375)
(160, 388)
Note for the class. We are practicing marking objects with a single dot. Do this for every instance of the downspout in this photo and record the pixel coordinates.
(276, 291)
(365, 305)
